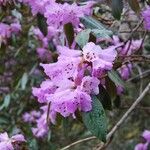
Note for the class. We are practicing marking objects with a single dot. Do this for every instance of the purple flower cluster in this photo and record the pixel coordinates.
(74, 78)
(3, 2)
(7, 143)
(6, 31)
(146, 16)
(59, 14)
(146, 137)
(40, 119)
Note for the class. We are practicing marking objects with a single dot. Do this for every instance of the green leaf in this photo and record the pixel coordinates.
(6, 102)
(41, 22)
(111, 88)
(83, 37)
(104, 97)
(113, 75)
(97, 29)
(69, 32)
(102, 33)
(95, 120)
(134, 4)
(117, 7)
(24, 81)
(92, 23)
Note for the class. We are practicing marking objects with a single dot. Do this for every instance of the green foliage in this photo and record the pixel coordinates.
(113, 75)
(41, 22)
(69, 32)
(92, 23)
(117, 7)
(83, 37)
(104, 98)
(95, 120)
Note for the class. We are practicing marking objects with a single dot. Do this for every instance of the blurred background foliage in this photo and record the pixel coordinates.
(20, 71)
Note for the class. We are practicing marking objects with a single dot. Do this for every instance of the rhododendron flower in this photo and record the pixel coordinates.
(5, 32)
(47, 87)
(144, 146)
(129, 47)
(146, 135)
(68, 101)
(31, 117)
(120, 90)
(141, 146)
(44, 54)
(52, 32)
(59, 14)
(72, 78)
(15, 27)
(42, 128)
(125, 71)
(100, 59)
(6, 143)
(61, 69)
(37, 6)
(146, 16)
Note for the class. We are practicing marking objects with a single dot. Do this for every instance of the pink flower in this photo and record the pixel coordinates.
(5, 32)
(90, 85)
(47, 87)
(68, 101)
(42, 128)
(31, 117)
(62, 69)
(100, 59)
(141, 146)
(6, 143)
(44, 54)
(15, 27)
(59, 14)
(120, 90)
(130, 48)
(146, 135)
(146, 16)
(125, 71)
(37, 6)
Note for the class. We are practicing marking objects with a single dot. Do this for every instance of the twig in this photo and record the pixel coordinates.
(77, 142)
(141, 76)
(136, 78)
(114, 129)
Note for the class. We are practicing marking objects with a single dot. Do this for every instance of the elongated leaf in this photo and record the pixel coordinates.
(6, 102)
(69, 32)
(97, 29)
(24, 81)
(104, 97)
(134, 4)
(95, 120)
(111, 88)
(117, 7)
(102, 33)
(83, 37)
(113, 75)
(41, 21)
(92, 23)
